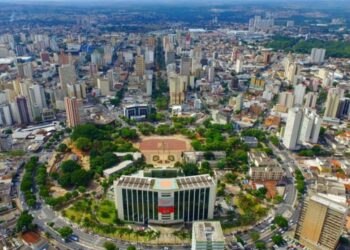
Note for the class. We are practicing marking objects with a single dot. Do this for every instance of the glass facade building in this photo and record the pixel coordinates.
(165, 201)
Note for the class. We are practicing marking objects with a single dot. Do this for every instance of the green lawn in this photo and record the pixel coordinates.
(104, 211)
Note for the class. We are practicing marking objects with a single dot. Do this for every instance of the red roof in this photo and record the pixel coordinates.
(30, 237)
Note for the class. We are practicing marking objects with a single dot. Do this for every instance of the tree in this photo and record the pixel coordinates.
(277, 239)
(65, 232)
(24, 222)
(254, 236)
(281, 221)
(260, 245)
(69, 166)
(131, 248)
(108, 245)
(83, 144)
(62, 148)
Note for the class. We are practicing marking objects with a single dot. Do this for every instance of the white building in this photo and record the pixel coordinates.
(303, 126)
(299, 93)
(165, 200)
(207, 235)
(317, 55)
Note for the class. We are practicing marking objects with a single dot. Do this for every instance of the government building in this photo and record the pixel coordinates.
(157, 200)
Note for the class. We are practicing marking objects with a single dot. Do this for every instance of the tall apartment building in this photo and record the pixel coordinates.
(311, 100)
(207, 235)
(286, 99)
(139, 66)
(303, 125)
(23, 110)
(321, 223)
(344, 108)
(185, 66)
(293, 71)
(299, 93)
(332, 102)
(72, 111)
(239, 65)
(317, 55)
(177, 87)
(211, 74)
(67, 75)
(25, 70)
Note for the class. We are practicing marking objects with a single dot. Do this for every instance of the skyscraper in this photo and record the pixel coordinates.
(72, 111)
(332, 102)
(286, 99)
(291, 132)
(25, 70)
(344, 108)
(317, 55)
(321, 223)
(303, 126)
(23, 110)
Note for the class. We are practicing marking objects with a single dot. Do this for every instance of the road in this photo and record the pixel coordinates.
(286, 208)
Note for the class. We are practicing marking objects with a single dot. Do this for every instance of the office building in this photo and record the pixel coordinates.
(207, 235)
(317, 55)
(67, 75)
(321, 223)
(332, 102)
(139, 66)
(177, 87)
(137, 111)
(311, 100)
(72, 111)
(165, 200)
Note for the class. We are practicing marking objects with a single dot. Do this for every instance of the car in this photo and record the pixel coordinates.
(73, 237)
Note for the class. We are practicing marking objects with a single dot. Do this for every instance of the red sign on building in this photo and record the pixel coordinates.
(166, 210)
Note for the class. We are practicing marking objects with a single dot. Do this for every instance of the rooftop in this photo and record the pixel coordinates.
(208, 231)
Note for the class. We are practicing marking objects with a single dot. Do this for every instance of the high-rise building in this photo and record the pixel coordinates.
(165, 200)
(67, 75)
(139, 66)
(299, 93)
(177, 89)
(303, 126)
(317, 55)
(185, 66)
(23, 110)
(293, 71)
(344, 108)
(239, 65)
(5, 115)
(332, 102)
(286, 99)
(311, 100)
(25, 70)
(211, 74)
(72, 111)
(321, 223)
(207, 235)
